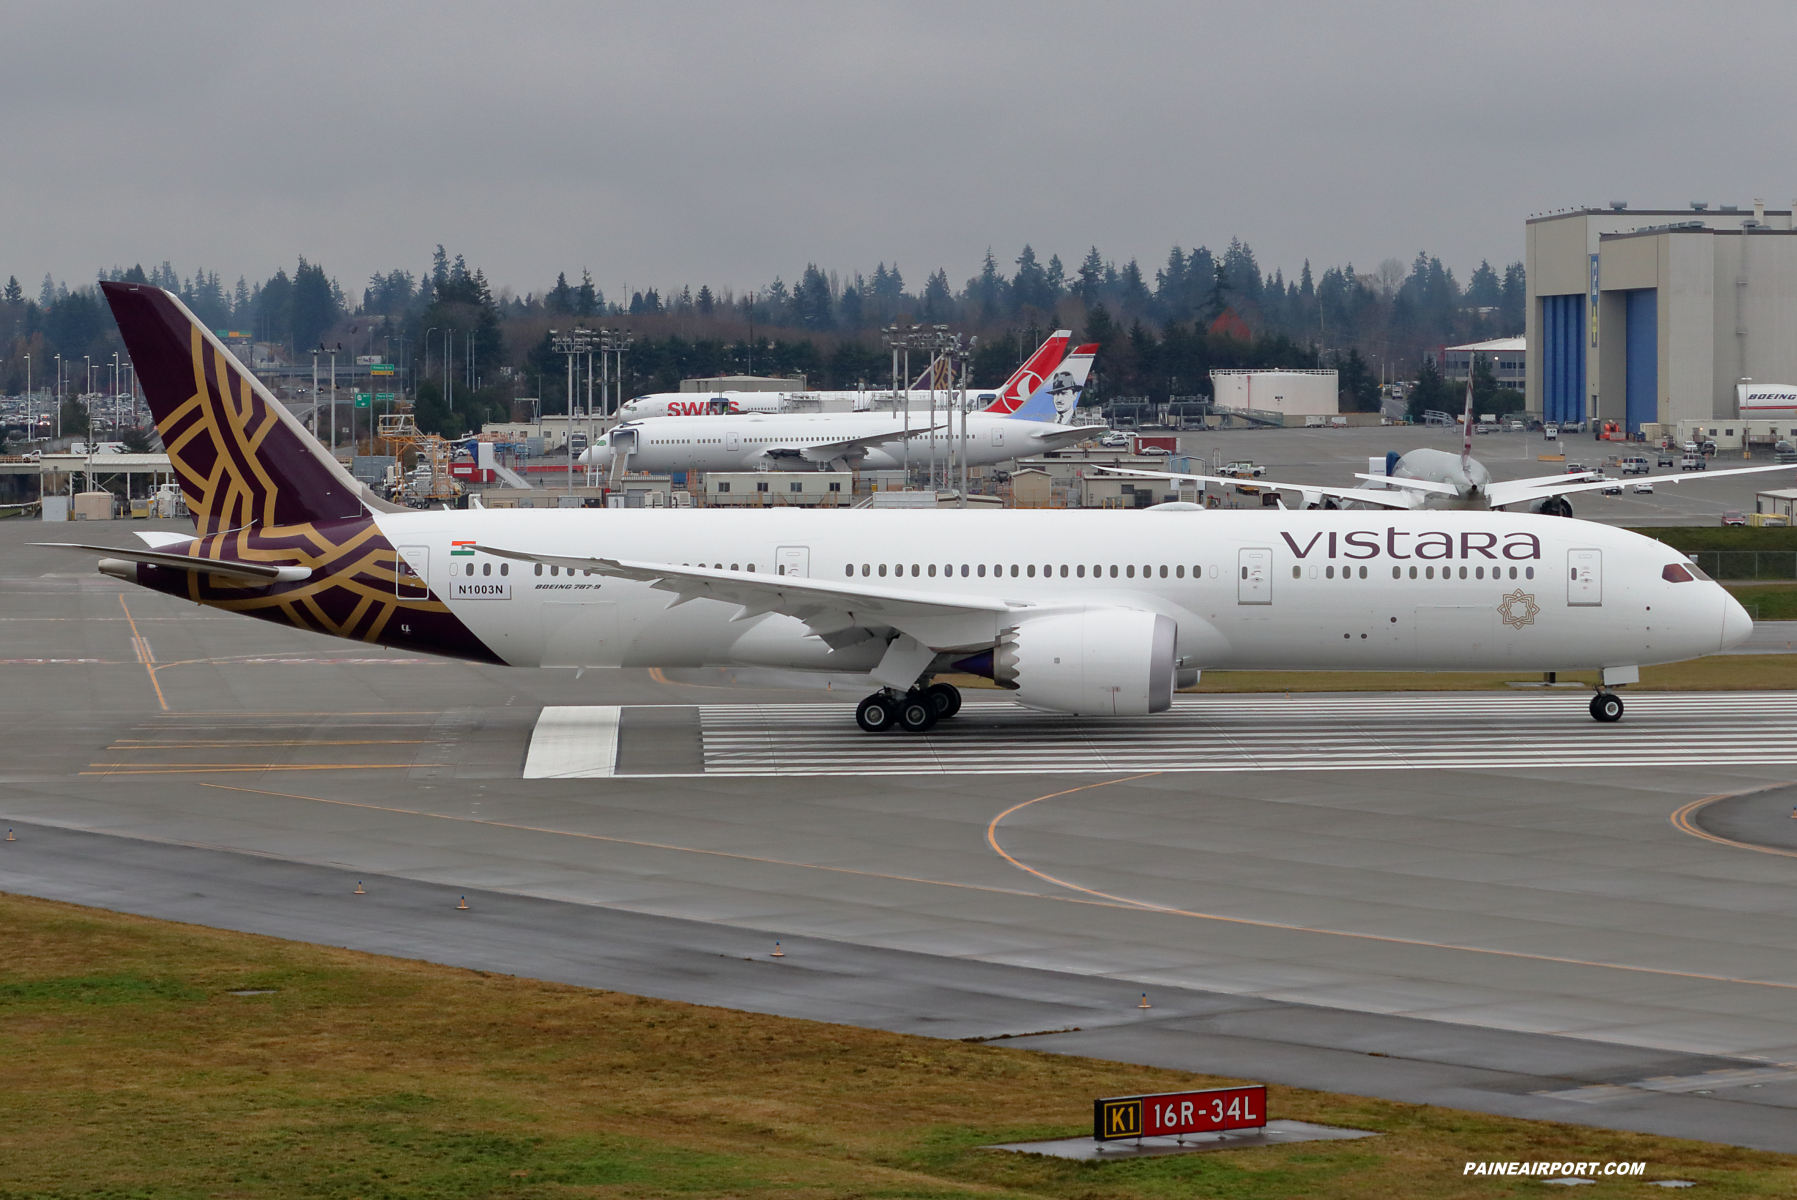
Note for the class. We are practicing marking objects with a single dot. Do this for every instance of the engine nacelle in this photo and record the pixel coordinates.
(1100, 662)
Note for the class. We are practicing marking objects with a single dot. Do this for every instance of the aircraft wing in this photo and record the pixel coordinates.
(1513, 493)
(938, 621)
(260, 573)
(1385, 499)
(826, 452)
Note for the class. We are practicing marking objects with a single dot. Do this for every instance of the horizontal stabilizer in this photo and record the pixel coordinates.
(257, 572)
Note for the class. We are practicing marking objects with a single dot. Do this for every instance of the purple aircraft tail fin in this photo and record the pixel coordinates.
(242, 459)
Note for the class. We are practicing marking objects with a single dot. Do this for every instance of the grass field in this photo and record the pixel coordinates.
(131, 1070)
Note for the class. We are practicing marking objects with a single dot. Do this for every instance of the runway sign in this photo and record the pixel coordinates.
(1170, 1113)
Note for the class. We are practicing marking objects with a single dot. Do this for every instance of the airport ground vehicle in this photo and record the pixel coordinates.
(1644, 488)
(1693, 462)
(1550, 432)
(1734, 516)
(1667, 459)
(1242, 470)
(1071, 612)
(1634, 464)
(1613, 490)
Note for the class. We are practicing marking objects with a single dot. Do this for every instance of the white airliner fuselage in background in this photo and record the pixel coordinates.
(868, 441)
(1089, 613)
(1006, 397)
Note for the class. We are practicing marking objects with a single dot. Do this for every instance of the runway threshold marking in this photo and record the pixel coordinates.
(234, 768)
(1684, 819)
(1387, 939)
(144, 654)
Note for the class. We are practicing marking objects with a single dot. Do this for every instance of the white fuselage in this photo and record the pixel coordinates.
(1279, 590)
(699, 404)
(805, 441)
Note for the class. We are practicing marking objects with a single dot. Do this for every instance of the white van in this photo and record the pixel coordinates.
(1551, 432)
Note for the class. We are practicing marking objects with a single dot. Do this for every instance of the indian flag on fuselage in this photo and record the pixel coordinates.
(462, 548)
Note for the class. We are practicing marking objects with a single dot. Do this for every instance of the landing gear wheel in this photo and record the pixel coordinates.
(916, 713)
(947, 699)
(876, 714)
(1606, 707)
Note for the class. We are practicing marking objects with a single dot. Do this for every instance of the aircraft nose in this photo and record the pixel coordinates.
(1736, 624)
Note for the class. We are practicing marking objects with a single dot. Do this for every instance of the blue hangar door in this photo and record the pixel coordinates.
(1563, 358)
(1643, 357)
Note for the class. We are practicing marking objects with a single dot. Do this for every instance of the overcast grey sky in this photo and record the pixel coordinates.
(685, 143)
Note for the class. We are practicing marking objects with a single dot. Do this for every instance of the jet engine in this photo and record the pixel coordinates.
(1100, 662)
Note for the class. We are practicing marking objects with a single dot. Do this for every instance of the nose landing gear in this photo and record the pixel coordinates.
(915, 711)
(1606, 707)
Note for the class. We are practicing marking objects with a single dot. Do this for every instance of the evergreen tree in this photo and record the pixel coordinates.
(46, 295)
(706, 303)
(1430, 393)
(1056, 279)
(586, 299)
(1132, 288)
(14, 293)
(1483, 290)
(313, 308)
(986, 292)
(1090, 279)
(560, 298)
(1512, 300)
(811, 300)
(938, 298)
(1029, 287)
(1359, 390)
(849, 308)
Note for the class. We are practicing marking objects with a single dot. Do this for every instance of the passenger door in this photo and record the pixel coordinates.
(794, 560)
(1254, 580)
(1584, 578)
(412, 573)
(730, 442)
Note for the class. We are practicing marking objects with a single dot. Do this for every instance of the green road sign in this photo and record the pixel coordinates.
(381, 369)
(363, 400)
(385, 396)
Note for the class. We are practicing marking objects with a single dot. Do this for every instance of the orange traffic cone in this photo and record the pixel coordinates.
(462, 907)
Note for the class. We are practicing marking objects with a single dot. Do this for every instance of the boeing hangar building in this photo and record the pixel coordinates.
(1656, 316)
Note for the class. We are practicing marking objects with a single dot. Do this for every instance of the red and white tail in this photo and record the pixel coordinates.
(1028, 378)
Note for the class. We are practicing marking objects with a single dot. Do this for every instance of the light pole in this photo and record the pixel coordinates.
(59, 395)
(30, 425)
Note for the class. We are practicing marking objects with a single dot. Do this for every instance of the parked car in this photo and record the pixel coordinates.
(1240, 470)
(1644, 488)
(1634, 465)
(1668, 458)
(1114, 439)
(1151, 450)
(1692, 462)
(1614, 489)
(1734, 516)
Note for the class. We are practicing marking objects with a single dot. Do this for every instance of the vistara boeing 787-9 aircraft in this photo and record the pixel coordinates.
(1089, 613)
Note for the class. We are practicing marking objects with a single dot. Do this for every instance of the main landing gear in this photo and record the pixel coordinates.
(915, 711)
(1606, 707)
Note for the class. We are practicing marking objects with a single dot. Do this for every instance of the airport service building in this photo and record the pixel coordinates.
(1658, 317)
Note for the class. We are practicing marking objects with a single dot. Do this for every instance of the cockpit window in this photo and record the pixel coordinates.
(1698, 571)
(1676, 573)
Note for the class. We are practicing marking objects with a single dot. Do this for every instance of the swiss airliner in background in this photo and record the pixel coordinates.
(1007, 397)
(1085, 612)
(865, 441)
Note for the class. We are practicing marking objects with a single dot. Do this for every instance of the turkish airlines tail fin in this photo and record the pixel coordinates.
(1057, 398)
(242, 459)
(1024, 382)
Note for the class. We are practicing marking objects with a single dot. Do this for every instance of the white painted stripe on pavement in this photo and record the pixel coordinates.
(574, 742)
